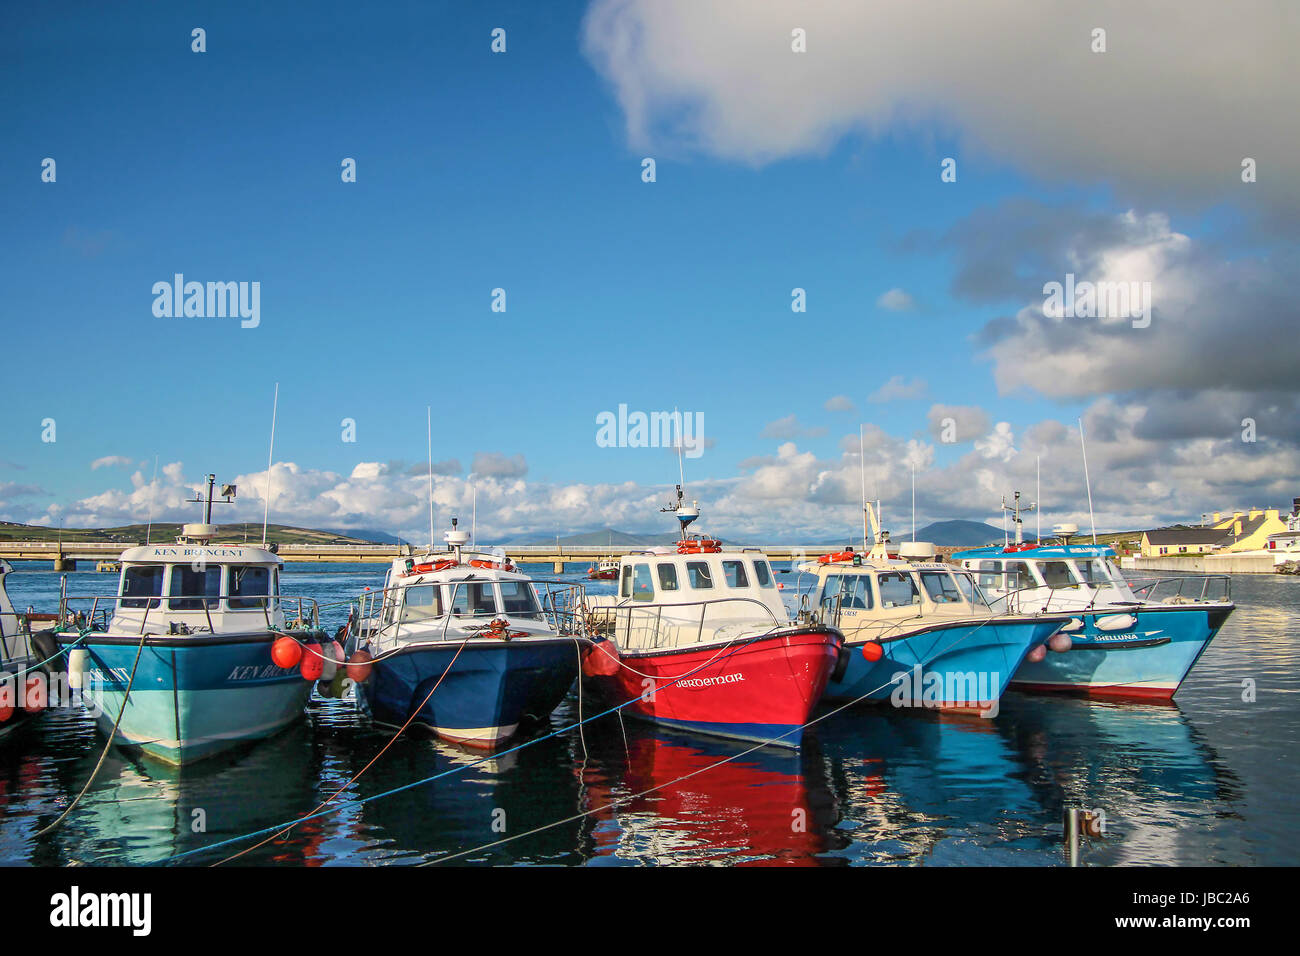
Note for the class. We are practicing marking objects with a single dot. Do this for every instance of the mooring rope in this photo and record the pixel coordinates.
(438, 776)
(108, 744)
(355, 776)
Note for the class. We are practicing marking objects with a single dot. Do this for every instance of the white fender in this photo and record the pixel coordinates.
(77, 659)
(1116, 622)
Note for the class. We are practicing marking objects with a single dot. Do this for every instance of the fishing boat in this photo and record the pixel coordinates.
(462, 642)
(1126, 642)
(24, 668)
(178, 664)
(697, 638)
(606, 569)
(919, 631)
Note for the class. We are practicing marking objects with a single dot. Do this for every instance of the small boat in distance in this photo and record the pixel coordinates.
(1126, 642)
(460, 642)
(606, 569)
(183, 651)
(697, 638)
(919, 631)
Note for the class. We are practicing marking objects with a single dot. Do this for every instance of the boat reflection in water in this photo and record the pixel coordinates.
(973, 791)
(758, 808)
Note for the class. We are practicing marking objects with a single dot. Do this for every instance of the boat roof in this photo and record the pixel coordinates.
(209, 553)
(461, 567)
(894, 564)
(1038, 552)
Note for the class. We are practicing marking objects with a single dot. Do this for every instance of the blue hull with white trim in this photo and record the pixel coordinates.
(485, 693)
(1147, 660)
(949, 664)
(192, 697)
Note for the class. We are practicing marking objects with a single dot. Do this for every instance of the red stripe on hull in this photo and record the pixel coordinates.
(1101, 691)
(771, 680)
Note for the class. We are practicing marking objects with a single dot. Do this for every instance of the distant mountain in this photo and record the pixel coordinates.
(365, 534)
(958, 534)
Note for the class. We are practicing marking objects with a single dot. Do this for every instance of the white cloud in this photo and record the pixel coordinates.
(999, 443)
(896, 300)
(968, 422)
(111, 461)
(789, 427)
(898, 388)
(840, 403)
(1172, 106)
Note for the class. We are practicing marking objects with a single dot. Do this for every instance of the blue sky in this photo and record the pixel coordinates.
(521, 171)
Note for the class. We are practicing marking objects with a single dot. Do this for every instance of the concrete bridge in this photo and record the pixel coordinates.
(65, 555)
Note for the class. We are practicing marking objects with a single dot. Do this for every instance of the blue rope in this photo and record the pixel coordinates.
(446, 773)
(81, 637)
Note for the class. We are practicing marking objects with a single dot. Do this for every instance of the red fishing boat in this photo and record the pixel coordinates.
(697, 638)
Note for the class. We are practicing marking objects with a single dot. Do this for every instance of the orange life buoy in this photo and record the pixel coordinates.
(837, 556)
(492, 565)
(428, 567)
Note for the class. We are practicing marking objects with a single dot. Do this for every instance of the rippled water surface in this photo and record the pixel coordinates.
(1210, 780)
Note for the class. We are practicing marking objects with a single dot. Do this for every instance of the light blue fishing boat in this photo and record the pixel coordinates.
(178, 663)
(918, 632)
(1125, 642)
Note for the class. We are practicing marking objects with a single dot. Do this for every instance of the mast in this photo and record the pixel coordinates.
(270, 456)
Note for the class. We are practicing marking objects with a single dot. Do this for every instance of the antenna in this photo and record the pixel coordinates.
(429, 410)
(1038, 499)
(862, 474)
(1084, 447)
(270, 456)
(914, 503)
(1015, 510)
(153, 491)
(473, 514)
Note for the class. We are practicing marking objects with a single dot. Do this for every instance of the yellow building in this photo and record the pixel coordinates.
(1226, 533)
(1247, 530)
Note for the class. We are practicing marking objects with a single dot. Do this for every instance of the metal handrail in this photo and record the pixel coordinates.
(557, 608)
(662, 637)
(301, 610)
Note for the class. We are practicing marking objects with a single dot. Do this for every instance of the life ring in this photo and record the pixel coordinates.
(837, 556)
(699, 546)
(428, 567)
(492, 565)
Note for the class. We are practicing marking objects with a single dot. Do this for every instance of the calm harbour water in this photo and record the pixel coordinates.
(1209, 780)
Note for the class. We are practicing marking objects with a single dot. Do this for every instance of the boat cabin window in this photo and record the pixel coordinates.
(941, 588)
(1056, 574)
(734, 572)
(1092, 573)
(1019, 576)
(141, 582)
(473, 598)
(643, 588)
(625, 588)
(518, 599)
(192, 590)
(249, 585)
(966, 584)
(668, 577)
(852, 590)
(763, 574)
(897, 590)
(697, 573)
(421, 602)
(990, 573)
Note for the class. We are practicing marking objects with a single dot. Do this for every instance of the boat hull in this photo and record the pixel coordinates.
(956, 666)
(192, 697)
(1147, 661)
(759, 689)
(490, 689)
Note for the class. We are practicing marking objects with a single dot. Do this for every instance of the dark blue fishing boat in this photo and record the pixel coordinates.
(462, 642)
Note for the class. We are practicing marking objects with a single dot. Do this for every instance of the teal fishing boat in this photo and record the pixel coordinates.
(178, 664)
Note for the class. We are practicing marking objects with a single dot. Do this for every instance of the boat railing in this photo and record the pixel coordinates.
(1208, 588)
(640, 627)
(562, 606)
(95, 612)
